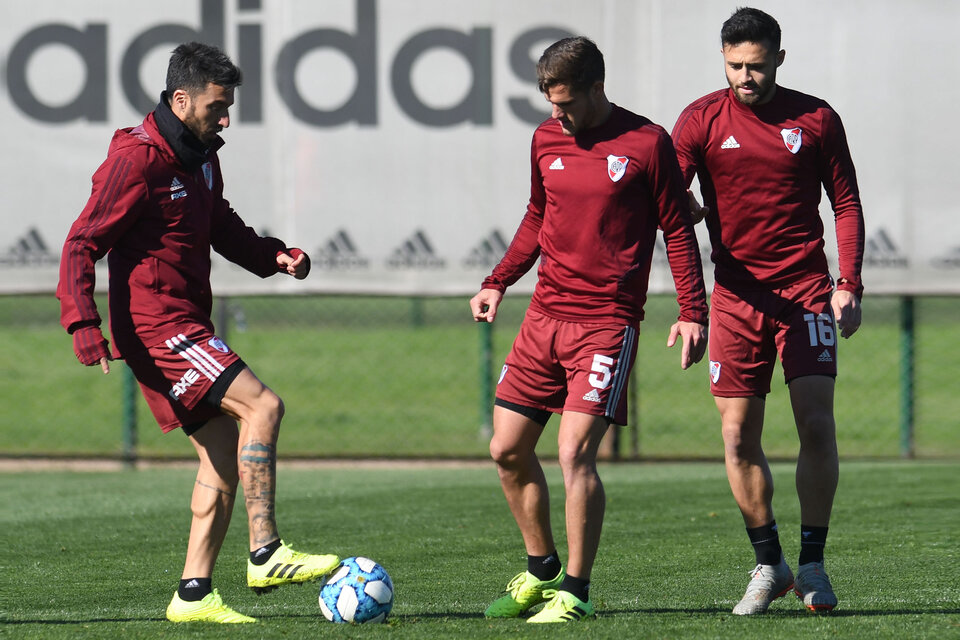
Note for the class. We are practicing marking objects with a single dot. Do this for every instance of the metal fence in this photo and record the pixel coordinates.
(413, 377)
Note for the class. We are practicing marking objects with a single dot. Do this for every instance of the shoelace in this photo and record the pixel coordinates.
(551, 597)
(764, 582)
(514, 587)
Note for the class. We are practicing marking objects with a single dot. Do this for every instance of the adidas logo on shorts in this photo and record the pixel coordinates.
(825, 356)
(592, 396)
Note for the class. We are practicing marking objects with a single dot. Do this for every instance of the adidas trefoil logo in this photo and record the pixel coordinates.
(339, 252)
(592, 396)
(416, 253)
(30, 250)
(730, 143)
(557, 164)
(825, 356)
(177, 190)
(488, 252)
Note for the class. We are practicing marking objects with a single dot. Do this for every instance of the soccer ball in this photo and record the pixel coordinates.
(358, 591)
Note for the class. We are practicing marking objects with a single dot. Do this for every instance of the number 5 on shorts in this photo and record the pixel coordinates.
(601, 365)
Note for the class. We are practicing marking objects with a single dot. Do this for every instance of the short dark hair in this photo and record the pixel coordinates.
(194, 65)
(575, 62)
(750, 25)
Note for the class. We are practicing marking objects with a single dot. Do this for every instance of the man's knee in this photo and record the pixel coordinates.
(508, 453)
(741, 441)
(272, 404)
(817, 430)
(574, 456)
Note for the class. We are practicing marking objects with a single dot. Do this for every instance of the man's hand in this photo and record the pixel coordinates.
(295, 262)
(697, 212)
(91, 347)
(846, 310)
(484, 305)
(694, 337)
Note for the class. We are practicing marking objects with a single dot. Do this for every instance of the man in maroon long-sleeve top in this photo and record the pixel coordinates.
(603, 180)
(156, 209)
(761, 153)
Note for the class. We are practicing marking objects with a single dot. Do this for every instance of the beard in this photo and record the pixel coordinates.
(759, 93)
(205, 134)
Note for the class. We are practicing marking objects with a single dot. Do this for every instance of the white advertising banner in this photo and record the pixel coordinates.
(390, 138)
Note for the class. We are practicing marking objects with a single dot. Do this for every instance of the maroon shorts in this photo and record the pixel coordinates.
(556, 366)
(749, 328)
(178, 373)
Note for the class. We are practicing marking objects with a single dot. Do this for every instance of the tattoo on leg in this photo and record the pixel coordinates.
(258, 464)
(218, 490)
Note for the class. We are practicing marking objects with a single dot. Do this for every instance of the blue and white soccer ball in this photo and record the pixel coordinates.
(358, 591)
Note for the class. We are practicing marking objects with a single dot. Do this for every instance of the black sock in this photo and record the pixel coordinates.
(544, 567)
(766, 543)
(193, 589)
(262, 555)
(577, 586)
(812, 541)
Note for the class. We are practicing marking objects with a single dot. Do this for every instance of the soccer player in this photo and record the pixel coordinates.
(156, 210)
(761, 153)
(603, 180)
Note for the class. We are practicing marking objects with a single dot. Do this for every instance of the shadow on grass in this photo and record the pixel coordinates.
(777, 613)
(414, 617)
(10, 623)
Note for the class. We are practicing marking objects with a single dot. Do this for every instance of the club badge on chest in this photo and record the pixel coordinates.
(616, 167)
(792, 138)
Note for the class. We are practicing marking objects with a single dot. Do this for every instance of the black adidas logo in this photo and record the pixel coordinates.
(339, 252)
(29, 251)
(415, 253)
(881, 252)
(488, 253)
(281, 570)
(949, 261)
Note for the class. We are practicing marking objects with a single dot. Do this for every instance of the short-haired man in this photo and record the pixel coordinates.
(156, 210)
(602, 181)
(761, 153)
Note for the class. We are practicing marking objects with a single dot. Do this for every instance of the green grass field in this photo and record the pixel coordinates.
(98, 554)
(401, 377)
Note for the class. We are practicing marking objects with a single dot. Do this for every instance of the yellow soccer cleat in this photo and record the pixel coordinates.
(563, 607)
(210, 609)
(287, 566)
(522, 593)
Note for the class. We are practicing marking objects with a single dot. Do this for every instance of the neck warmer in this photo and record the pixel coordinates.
(189, 150)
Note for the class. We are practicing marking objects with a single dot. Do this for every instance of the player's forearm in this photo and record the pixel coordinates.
(520, 256)
(683, 255)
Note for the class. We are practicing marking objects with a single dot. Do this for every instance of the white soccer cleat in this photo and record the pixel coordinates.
(767, 583)
(814, 588)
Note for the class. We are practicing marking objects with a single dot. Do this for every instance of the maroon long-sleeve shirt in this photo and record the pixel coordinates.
(158, 220)
(760, 171)
(596, 201)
